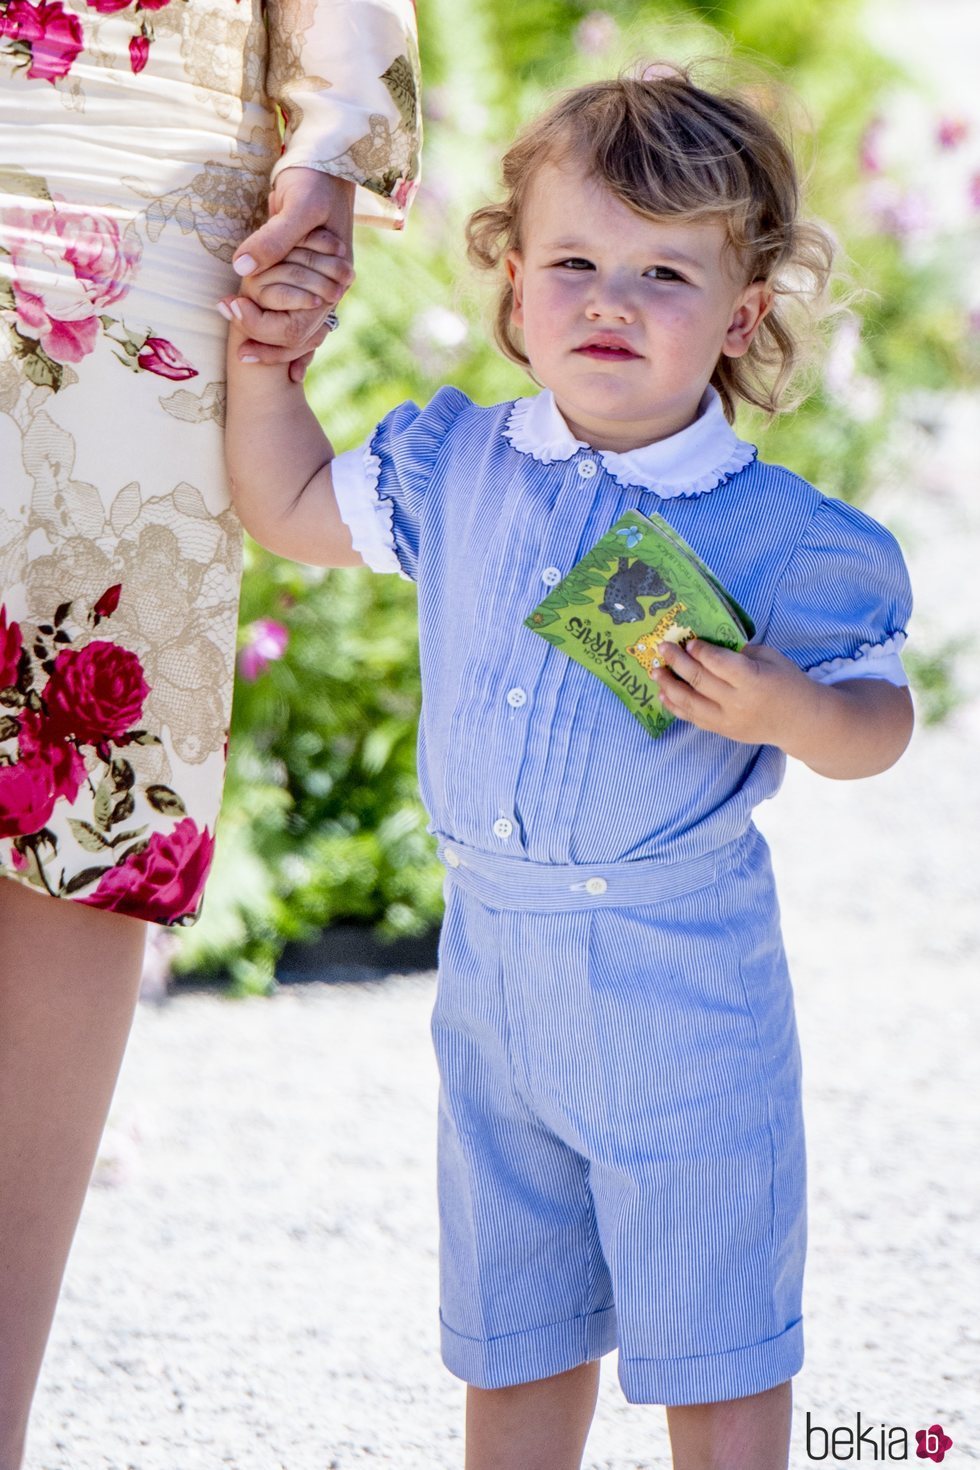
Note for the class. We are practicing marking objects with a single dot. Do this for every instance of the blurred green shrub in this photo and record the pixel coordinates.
(322, 820)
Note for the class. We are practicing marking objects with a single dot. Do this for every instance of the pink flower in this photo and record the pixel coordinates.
(267, 642)
(951, 132)
(108, 602)
(38, 743)
(68, 265)
(108, 7)
(403, 192)
(95, 693)
(139, 52)
(595, 34)
(159, 356)
(10, 647)
(53, 34)
(46, 770)
(26, 798)
(163, 882)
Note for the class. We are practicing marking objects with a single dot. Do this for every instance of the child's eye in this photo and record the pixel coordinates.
(575, 263)
(663, 273)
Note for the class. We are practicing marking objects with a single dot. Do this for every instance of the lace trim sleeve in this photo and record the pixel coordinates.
(367, 514)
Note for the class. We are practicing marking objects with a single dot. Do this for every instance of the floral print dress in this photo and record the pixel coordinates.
(138, 139)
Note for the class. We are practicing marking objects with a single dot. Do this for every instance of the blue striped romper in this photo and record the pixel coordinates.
(621, 1147)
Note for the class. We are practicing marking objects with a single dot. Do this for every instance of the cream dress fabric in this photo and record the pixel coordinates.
(137, 143)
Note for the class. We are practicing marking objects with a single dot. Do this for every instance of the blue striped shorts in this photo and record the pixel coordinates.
(621, 1148)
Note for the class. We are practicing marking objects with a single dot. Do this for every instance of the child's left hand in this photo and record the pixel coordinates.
(755, 696)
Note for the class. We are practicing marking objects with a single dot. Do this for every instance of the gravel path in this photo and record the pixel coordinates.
(254, 1282)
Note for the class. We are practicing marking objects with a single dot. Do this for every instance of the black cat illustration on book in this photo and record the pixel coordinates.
(631, 581)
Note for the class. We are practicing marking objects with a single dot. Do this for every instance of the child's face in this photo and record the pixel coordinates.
(624, 318)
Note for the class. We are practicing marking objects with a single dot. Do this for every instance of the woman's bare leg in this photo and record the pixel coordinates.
(733, 1435)
(69, 982)
(533, 1426)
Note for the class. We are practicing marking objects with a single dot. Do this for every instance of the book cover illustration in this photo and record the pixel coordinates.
(640, 585)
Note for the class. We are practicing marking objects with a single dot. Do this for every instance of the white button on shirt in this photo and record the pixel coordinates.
(596, 885)
(502, 827)
(551, 576)
(516, 697)
(587, 468)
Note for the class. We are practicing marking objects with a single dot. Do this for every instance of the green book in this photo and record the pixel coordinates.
(640, 585)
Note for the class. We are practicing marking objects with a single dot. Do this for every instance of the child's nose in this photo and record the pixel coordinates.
(610, 300)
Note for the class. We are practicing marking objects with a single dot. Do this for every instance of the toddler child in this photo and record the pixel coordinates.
(621, 1148)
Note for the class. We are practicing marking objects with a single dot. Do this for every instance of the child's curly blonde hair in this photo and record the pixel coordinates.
(667, 148)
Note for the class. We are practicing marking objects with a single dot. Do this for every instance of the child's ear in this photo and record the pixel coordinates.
(514, 266)
(753, 304)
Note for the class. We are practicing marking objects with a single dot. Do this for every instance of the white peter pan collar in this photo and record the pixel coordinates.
(689, 462)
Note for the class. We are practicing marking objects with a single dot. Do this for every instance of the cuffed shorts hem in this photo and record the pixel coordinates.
(522, 1357)
(715, 1377)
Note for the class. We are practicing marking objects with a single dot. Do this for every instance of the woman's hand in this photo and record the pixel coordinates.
(855, 728)
(303, 202)
(286, 299)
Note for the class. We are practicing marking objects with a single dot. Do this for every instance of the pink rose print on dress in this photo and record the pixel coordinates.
(163, 880)
(46, 770)
(107, 603)
(67, 265)
(157, 355)
(95, 694)
(10, 649)
(46, 36)
(932, 1443)
(139, 52)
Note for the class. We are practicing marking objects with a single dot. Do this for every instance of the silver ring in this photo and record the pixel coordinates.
(331, 321)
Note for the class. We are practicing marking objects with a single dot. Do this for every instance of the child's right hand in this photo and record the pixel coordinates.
(287, 302)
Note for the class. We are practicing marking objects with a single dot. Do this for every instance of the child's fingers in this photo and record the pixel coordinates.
(680, 699)
(692, 669)
(274, 336)
(321, 264)
(288, 296)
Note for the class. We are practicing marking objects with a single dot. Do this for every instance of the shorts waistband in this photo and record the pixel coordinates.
(501, 881)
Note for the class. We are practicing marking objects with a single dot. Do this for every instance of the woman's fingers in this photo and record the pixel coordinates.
(274, 336)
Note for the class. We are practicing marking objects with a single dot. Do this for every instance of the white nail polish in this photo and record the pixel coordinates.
(225, 311)
(236, 309)
(244, 265)
(248, 359)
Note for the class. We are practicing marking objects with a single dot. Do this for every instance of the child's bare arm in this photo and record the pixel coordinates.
(279, 464)
(855, 728)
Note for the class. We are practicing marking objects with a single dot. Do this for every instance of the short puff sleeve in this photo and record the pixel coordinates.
(844, 600)
(345, 75)
(382, 488)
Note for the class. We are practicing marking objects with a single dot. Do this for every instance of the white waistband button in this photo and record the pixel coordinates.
(596, 885)
(451, 856)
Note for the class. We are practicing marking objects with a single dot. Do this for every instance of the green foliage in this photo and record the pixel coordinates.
(322, 820)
